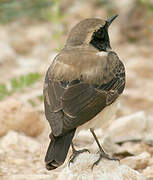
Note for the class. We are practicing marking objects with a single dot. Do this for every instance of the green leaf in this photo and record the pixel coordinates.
(24, 81)
(15, 85)
(19, 83)
(13, 9)
(32, 102)
(41, 98)
(3, 91)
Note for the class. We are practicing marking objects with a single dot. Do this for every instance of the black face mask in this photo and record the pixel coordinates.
(100, 39)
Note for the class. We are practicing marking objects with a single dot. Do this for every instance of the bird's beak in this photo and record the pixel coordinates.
(110, 20)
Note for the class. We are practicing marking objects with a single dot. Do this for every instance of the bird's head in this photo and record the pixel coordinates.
(92, 31)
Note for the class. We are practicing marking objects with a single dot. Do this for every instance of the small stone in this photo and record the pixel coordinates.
(19, 116)
(128, 127)
(105, 170)
(131, 148)
(29, 176)
(137, 162)
(18, 142)
(148, 172)
(7, 53)
(16, 161)
(151, 162)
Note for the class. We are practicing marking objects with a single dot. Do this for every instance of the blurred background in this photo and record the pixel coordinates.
(32, 32)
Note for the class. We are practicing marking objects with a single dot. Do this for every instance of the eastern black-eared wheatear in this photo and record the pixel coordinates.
(81, 88)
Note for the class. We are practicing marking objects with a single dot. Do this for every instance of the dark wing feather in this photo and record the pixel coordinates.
(85, 110)
(117, 87)
(74, 103)
(53, 109)
(54, 93)
(78, 96)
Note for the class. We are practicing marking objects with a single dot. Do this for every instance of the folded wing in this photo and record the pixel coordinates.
(71, 104)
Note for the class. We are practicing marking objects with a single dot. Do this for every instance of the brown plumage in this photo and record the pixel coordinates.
(84, 79)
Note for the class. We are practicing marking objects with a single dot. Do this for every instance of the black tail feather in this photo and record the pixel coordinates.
(58, 149)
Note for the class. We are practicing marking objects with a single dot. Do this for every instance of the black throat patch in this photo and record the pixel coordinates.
(100, 39)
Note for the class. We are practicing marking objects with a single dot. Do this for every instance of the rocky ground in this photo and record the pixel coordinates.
(27, 47)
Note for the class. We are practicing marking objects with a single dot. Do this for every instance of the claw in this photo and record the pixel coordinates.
(106, 156)
(76, 153)
(102, 153)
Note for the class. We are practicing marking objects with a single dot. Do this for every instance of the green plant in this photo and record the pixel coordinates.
(36, 100)
(32, 102)
(108, 5)
(148, 4)
(14, 9)
(41, 98)
(18, 84)
(24, 81)
(57, 19)
(3, 91)
(56, 13)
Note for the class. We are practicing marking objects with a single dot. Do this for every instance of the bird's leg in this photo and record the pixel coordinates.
(75, 153)
(102, 152)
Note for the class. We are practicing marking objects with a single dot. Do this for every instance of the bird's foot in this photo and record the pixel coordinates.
(104, 155)
(76, 153)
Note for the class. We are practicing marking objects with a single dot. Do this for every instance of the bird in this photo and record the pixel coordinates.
(81, 89)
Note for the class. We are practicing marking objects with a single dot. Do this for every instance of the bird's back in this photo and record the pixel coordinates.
(87, 65)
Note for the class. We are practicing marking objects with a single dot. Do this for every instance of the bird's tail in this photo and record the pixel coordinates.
(58, 149)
